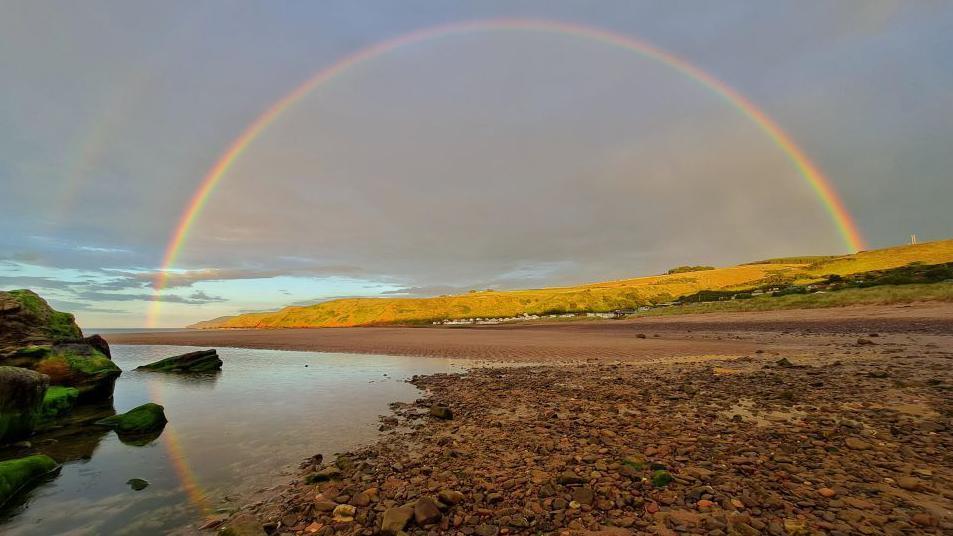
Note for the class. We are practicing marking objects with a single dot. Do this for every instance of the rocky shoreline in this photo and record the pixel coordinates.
(855, 439)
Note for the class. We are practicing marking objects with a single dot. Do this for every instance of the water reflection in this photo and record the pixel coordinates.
(229, 434)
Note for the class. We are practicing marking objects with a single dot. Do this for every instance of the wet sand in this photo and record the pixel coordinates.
(669, 336)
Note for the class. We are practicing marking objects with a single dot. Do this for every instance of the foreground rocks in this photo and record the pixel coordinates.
(21, 402)
(21, 474)
(139, 425)
(740, 446)
(192, 362)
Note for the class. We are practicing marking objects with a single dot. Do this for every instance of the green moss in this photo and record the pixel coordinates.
(33, 351)
(20, 474)
(146, 418)
(635, 462)
(58, 400)
(62, 326)
(661, 478)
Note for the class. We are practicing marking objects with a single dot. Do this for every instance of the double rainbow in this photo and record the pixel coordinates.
(822, 186)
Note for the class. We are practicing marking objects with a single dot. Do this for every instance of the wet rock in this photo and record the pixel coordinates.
(22, 474)
(909, 483)
(21, 401)
(441, 411)
(140, 420)
(328, 473)
(58, 401)
(242, 525)
(192, 362)
(395, 519)
(137, 484)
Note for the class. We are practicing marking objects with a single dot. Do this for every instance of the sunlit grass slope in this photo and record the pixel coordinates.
(607, 296)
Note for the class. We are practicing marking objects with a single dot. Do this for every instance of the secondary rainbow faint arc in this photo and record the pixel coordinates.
(832, 202)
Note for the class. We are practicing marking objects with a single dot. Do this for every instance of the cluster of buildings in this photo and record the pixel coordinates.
(618, 313)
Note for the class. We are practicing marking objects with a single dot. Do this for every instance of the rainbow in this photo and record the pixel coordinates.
(179, 461)
(822, 187)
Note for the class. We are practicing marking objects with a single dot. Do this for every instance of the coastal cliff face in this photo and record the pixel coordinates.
(606, 296)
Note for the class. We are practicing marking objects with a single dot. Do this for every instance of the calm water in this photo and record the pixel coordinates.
(228, 435)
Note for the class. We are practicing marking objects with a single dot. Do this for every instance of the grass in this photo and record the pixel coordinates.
(882, 295)
(604, 296)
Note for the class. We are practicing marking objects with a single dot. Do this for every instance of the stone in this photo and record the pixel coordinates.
(28, 322)
(395, 519)
(661, 478)
(856, 444)
(441, 411)
(325, 505)
(192, 362)
(426, 511)
(99, 344)
(909, 483)
(79, 365)
(827, 492)
(343, 513)
(137, 484)
(328, 473)
(583, 495)
(568, 478)
(486, 530)
(451, 497)
(22, 474)
(139, 421)
(21, 401)
(242, 525)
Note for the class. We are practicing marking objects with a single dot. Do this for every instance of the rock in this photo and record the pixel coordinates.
(26, 321)
(79, 365)
(923, 519)
(486, 530)
(137, 484)
(583, 495)
(140, 421)
(856, 444)
(328, 473)
(21, 402)
(568, 478)
(426, 511)
(22, 474)
(909, 483)
(343, 513)
(395, 519)
(827, 492)
(784, 363)
(192, 362)
(100, 344)
(441, 411)
(360, 499)
(661, 478)
(451, 497)
(325, 505)
(242, 525)
(58, 401)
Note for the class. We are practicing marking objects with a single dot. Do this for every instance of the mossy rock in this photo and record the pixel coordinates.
(202, 361)
(661, 478)
(81, 366)
(27, 320)
(144, 420)
(22, 474)
(21, 398)
(58, 401)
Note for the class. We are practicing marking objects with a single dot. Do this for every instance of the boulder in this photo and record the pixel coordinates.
(80, 365)
(426, 511)
(58, 401)
(100, 344)
(200, 361)
(395, 519)
(142, 421)
(22, 474)
(21, 400)
(27, 320)
(441, 411)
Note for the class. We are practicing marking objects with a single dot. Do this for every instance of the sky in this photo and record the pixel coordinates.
(479, 159)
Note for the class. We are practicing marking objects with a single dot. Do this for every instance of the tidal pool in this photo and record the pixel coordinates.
(229, 435)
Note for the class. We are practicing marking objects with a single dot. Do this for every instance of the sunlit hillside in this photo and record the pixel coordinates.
(594, 297)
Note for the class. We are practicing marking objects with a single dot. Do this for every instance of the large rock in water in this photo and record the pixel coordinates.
(200, 361)
(27, 320)
(21, 400)
(21, 474)
(35, 336)
(143, 419)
